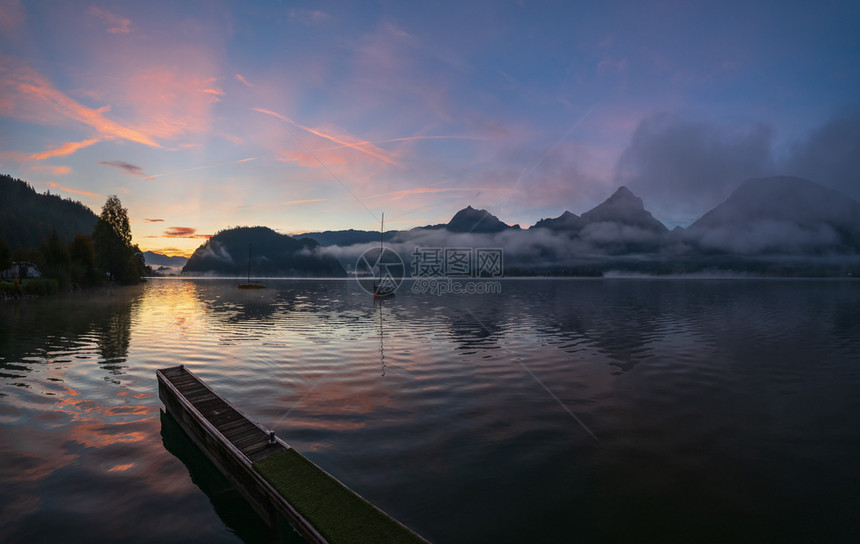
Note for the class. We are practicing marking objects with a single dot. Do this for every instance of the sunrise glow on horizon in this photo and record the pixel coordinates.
(319, 116)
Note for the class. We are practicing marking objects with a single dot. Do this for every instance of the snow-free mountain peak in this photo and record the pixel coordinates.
(781, 214)
(625, 208)
(564, 222)
(471, 220)
(783, 198)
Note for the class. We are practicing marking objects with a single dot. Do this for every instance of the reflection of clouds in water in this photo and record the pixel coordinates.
(648, 365)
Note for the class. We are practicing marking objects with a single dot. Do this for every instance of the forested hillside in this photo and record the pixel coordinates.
(27, 217)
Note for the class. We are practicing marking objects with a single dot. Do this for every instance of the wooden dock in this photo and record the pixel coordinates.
(274, 478)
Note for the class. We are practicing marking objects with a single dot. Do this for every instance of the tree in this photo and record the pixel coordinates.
(5, 254)
(112, 238)
(83, 257)
(55, 259)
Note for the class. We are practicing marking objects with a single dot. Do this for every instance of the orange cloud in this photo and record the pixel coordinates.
(154, 220)
(170, 251)
(65, 149)
(215, 92)
(346, 141)
(183, 232)
(116, 23)
(241, 79)
(53, 185)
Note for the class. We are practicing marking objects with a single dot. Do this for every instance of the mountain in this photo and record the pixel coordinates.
(624, 208)
(565, 222)
(480, 221)
(152, 258)
(466, 220)
(781, 214)
(346, 237)
(272, 254)
(27, 217)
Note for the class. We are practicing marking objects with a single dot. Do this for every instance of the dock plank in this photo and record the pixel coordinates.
(274, 478)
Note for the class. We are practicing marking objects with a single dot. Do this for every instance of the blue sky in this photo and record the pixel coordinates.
(309, 116)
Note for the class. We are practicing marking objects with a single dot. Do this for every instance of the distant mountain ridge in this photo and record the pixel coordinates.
(776, 215)
(780, 214)
(764, 226)
(271, 254)
(464, 221)
(567, 221)
(346, 237)
(151, 258)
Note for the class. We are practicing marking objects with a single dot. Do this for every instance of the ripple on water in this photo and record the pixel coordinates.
(564, 405)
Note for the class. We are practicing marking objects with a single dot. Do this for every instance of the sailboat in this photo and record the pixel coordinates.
(386, 286)
(250, 285)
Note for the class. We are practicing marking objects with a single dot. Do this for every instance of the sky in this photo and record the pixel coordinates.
(309, 116)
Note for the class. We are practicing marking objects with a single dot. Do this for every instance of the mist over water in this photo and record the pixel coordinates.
(560, 410)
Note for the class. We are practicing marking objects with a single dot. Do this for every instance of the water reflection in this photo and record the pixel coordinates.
(227, 502)
(57, 330)
(707, 396)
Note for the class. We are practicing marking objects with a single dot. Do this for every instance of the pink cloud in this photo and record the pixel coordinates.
(12, 16)
(240, 161)
(231, 138)
(30, 96)
(170, 100)
(53, 185)
(116, 24)
(346, 140)
(308, 160)
(217, 93)
(65, 149)
(241, 79)
(397, 195)
(53, 170)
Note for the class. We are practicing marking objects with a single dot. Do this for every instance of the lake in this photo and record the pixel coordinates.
(556, 410)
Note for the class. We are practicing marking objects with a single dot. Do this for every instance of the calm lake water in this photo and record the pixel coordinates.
(587, 410)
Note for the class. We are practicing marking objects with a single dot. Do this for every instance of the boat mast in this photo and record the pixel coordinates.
(249, 262)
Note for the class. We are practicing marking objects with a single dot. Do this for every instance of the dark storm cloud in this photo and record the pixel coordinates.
(830, 155)
(184, 232)
(683, 168)
(131, 169)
